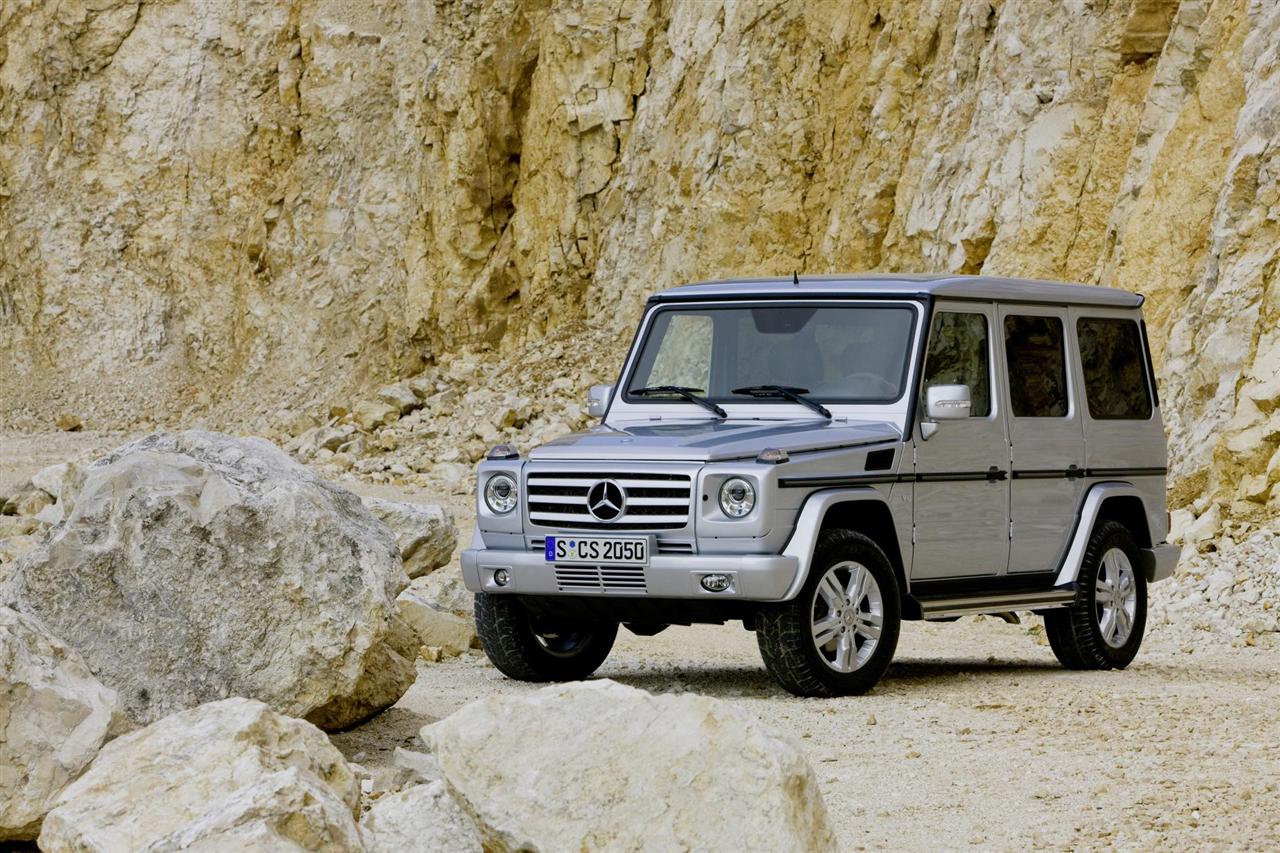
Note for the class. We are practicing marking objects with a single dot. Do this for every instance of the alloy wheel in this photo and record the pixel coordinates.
(848, 615)
(1115, 597)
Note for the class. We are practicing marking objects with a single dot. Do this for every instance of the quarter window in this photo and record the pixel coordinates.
(1115, 377)
(959, 355)
(1037, 367)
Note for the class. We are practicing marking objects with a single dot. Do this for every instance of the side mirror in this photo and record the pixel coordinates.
(947, 402)
(598, 400)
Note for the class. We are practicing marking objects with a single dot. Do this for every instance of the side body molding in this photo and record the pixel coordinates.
(805, 536)
(1084, 526)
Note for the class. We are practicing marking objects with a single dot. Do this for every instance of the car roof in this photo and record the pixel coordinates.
(906, 286)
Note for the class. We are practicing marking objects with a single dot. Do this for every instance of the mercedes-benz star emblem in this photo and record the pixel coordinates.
(606, 500)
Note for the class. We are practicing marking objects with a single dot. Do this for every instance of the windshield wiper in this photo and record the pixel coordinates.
(786, 392)
(690, 394)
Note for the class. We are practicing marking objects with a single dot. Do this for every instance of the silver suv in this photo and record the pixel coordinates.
(821, 458)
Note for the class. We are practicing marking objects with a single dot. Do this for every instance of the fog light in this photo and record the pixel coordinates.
(501, 577)
(715, 583)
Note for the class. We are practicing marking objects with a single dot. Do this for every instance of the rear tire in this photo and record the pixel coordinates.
(530, 648)
(1103, 627)
(851, 599)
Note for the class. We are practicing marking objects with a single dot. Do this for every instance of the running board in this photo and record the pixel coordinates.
(944, 608)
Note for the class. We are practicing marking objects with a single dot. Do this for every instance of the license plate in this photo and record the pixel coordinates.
(598, 550)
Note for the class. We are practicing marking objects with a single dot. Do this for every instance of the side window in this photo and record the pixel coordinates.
(684, 356)
(959, 354)
(1037, 367)
(1115, 377)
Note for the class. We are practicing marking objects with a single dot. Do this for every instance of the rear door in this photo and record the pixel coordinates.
(961, 488)
(1045, 431)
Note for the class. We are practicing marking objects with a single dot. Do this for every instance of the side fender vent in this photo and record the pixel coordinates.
(880, 460)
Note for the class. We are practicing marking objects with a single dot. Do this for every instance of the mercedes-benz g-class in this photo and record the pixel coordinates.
(821, 458)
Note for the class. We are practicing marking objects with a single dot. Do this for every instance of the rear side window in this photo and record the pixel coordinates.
(1037, 367)
(958, 356)
(1115, 376)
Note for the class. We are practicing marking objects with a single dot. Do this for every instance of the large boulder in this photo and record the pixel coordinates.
(196, 566)
(230, 775)
(54, 716)
(425, 533)
(602, 766)
(422, 818)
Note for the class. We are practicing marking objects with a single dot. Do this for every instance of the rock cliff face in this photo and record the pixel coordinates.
(275, 200)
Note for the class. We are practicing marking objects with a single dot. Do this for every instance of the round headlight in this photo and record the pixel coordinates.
(737, 497)
(500, 494)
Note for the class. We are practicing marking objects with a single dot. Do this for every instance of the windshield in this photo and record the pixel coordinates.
(855, 353)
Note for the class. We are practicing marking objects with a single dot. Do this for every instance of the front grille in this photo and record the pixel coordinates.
(600, 579)
(654, 501)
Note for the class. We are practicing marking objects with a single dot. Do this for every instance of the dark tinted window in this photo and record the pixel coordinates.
(1037, 367)
(959, 355)
(1115, 377)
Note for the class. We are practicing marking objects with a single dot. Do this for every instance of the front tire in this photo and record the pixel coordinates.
(1103, 627)
(531, 648)
(838, 635)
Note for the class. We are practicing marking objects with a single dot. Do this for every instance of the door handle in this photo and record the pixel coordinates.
(994, 474)
(1074, 472)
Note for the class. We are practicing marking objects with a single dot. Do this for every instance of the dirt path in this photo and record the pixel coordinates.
(976, 739)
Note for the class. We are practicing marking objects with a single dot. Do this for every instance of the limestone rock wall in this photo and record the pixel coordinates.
(233, 205)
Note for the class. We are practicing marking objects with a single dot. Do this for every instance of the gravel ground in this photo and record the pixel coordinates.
(976, 739)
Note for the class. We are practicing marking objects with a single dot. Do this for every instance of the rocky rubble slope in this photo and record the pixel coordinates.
(219, 211)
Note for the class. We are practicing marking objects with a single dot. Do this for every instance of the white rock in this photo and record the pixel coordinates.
(312, 443)
(50, 479)
(434, 625)
(601, 766)
(54, 716)
(218, 566)
(422, 818)
(400, 395)
(61, 481)
(444, 590)
(28, 501)
(12, 549)
(372, 414)
(1180, 520)
(229, 775)
(1206, 526)
(425, 533)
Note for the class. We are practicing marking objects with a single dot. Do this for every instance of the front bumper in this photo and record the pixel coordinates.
(753, 577)
(1160, 561)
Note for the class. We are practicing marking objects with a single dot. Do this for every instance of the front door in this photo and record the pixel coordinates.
(1046, 433)
(961, 488)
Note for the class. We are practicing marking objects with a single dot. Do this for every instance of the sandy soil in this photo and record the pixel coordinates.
(976, 739)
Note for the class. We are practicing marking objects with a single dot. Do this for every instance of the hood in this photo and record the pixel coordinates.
(713, 441)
